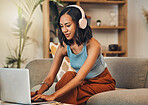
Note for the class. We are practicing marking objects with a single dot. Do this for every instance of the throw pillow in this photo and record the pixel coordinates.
(65, 64)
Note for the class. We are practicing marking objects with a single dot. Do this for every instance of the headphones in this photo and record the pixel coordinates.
(83, 20)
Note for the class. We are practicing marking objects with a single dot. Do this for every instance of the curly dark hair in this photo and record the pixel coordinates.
(81, 35)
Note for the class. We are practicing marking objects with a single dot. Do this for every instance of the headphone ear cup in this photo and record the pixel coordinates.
(83, 20)
(83, 23)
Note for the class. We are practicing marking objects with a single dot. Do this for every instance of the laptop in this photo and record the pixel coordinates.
(15, 86)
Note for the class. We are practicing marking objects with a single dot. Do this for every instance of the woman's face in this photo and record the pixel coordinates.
(68, 26)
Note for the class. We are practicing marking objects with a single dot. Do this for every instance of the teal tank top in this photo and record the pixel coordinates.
(77, 60)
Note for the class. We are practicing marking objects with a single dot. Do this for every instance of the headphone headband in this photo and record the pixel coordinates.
(83, 20)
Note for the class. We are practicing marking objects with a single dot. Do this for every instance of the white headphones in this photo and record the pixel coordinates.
(83, 20)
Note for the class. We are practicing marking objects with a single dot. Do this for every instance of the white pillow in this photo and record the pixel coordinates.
(60, 74)
(65, 64)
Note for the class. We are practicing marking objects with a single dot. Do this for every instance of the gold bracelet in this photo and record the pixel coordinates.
(46, 84)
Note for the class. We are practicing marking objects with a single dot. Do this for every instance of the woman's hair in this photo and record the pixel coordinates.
(81, 35)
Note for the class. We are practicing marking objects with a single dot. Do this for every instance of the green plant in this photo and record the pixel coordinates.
(98, 20)
(54, 14)
(26, 9)
(145, 14)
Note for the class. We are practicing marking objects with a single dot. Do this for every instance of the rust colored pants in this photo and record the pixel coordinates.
(101, 83)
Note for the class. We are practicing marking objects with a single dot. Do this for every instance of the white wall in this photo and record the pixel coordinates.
(8, 16)
(137, 29)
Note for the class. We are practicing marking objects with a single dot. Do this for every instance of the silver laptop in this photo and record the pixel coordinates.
(15, 85)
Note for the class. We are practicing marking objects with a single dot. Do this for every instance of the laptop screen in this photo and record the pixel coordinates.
(15, 85)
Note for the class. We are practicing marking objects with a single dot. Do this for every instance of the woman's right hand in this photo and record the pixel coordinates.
(33, 94)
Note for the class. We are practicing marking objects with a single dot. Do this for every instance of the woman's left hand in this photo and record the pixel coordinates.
(44, 97)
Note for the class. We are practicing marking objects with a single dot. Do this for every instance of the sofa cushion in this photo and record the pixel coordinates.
(128, 72)
(120, 97)
(50, 91)
(38, 70)
(65, 64)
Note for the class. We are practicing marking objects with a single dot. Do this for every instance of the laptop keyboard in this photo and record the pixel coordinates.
(38, 100)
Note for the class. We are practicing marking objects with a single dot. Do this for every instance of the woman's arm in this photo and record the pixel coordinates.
(59, 55)
(93, 48)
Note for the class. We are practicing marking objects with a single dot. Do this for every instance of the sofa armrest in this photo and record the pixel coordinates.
(129, 72)
(146, 82)
(120, 97)
(38, 70)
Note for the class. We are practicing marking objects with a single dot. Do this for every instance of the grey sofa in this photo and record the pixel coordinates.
(131, 75)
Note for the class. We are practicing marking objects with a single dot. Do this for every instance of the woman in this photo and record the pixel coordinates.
(76, 42)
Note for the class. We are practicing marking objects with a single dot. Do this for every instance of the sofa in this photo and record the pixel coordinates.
(131, 75)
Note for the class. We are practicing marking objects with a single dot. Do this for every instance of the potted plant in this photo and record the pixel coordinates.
(145, 15)
(54, 14)
(98, 22)
(26, 9)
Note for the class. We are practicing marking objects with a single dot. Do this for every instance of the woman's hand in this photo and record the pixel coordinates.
(44, 97)
(33, 94)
